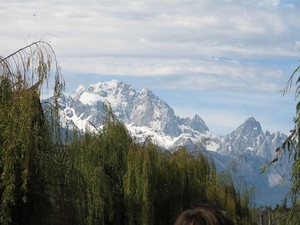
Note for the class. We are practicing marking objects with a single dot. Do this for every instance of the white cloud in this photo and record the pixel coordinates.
(238, 46)
(169, 29)
(165, 33)
(186, 74)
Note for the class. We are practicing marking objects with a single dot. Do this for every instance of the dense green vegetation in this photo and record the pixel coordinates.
(104, 177)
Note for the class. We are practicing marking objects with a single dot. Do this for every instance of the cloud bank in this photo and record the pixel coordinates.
(244, 47)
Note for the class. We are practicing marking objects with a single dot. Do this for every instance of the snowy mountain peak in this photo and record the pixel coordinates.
(249, 127)
(144, 114)
(142, 108)
(249, 138)
(146, 92)
(78, 91)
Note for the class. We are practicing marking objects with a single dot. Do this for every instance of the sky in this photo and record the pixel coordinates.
(225, 60)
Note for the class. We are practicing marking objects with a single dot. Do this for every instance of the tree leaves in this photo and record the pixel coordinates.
(24, 134)
(104, 177)
(292, 146)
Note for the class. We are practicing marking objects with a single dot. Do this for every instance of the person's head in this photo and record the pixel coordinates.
(204, 215)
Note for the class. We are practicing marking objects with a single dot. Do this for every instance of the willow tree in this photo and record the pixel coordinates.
(101, 157)
(140, 184)
(291, 147)
(24, 134)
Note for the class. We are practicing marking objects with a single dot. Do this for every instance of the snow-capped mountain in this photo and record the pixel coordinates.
(250, 149)
(142, 112)
(144, 115)
(249, 139)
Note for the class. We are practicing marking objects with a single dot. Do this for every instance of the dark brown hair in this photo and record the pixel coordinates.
(204, 214)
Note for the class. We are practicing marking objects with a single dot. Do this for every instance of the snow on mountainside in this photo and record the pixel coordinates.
(252, 148)
(249, 139)
(144, 114)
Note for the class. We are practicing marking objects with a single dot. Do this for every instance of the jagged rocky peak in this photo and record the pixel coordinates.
(146, 91)
(249, 138)
(245, 139)
(250, 128)
(271, 142)
(198, 124)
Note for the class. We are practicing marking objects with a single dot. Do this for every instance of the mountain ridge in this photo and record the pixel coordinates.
(144, 114)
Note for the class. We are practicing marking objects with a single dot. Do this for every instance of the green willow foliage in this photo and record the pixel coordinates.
(102, 177)
(132, 184)
(24, 134)
(291, 146)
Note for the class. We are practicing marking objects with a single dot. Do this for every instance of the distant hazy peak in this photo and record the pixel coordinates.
(198, 118)
(251, 121)
(198, 124)
(250, 126)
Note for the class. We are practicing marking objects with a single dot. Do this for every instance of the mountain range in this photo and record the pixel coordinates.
(243, 151)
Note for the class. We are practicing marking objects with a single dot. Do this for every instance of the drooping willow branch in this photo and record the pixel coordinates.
(24, 134)
(291, 146)
(32, 66)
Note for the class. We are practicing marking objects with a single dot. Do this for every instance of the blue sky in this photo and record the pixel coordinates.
(223, 60)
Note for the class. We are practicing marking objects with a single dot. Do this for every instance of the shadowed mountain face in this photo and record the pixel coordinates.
(144, 114)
